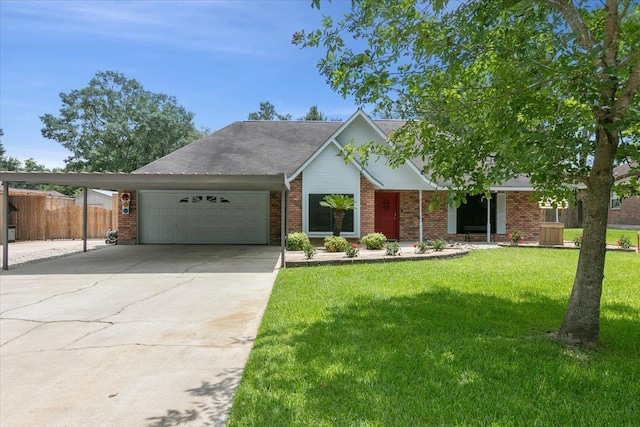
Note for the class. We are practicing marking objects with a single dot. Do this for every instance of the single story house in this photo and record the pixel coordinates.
(392, 201)
(98, 198)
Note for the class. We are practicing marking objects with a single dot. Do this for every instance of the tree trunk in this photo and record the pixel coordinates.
(338, 216)
(581, 322)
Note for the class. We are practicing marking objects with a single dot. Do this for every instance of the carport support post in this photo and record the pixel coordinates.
(283, 225)
(5, 225)
(85, 221)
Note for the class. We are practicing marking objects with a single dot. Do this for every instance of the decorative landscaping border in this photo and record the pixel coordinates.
(297, 259)
(567, 245)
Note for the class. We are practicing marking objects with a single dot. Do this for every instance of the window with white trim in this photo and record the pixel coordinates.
(615, 202)
(321, 218)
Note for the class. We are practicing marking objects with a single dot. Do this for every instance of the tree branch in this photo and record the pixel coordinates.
(629, 90)
(574, 20)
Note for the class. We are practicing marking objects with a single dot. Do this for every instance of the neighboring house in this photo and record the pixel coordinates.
(623, 211)
(98, 198)
(392, 201)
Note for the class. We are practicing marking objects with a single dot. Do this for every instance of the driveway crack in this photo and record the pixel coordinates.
(56, 295)
(147, 298)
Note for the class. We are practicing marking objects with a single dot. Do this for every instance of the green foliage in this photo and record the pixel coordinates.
(519, 83)
(624, 242)
(340, 203)
(393, 249)
(374, 240)
(516, 237)
(470, 331)
(494, 90)
(268, 112)
(309, 250)
(421, 247)
(352, 251)
(297, 241)
(336, 244)
(314, 115)
(438, 245)
(115, 125)
(577, 240)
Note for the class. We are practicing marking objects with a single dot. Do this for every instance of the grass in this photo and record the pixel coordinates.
(458, 342)
(613, 234)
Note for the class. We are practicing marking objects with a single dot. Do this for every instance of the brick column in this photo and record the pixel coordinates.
(367, 207)
(127, 223)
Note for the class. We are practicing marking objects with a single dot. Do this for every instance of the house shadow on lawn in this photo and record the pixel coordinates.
(442, 358)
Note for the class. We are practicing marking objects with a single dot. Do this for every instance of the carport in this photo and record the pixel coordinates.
(146, 181)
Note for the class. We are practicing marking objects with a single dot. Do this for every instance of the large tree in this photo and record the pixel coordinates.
(115, 125)
(497, 88)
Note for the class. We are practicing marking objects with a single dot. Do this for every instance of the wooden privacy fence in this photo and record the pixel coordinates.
(66, 223)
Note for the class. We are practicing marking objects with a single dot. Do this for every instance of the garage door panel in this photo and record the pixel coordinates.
(204, 217)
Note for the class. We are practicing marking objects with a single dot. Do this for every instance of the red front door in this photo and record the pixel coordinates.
(387, 218)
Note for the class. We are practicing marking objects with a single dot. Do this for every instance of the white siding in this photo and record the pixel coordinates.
(328, 174)
(400, 178)
(501, 213)
(452, 218)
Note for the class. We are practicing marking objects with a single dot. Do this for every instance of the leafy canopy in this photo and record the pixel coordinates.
(492, 88)
(115, 125)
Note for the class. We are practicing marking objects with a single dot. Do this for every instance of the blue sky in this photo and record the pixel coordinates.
(220, 59)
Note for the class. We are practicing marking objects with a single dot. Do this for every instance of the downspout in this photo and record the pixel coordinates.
(488, 220)
(5, 225)
(420, 213)
(84, 220)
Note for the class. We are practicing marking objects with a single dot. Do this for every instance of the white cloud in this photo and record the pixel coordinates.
(209, 26)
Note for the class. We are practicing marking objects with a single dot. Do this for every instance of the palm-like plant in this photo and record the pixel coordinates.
(340, 204)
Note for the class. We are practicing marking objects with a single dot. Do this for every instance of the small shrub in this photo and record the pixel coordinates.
(374, 240)
(516, 237)
(624, 242)
(352, 251)
(393, 249)
(297, 241)
(421, 247)
(577, 240)
(438, 245)
(309, 250)
(335, 244)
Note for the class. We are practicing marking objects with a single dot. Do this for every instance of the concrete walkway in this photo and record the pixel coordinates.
(130, 335)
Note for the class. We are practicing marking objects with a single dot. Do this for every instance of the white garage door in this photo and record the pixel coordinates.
(199, 217)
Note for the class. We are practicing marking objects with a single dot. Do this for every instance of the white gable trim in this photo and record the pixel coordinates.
(324, 146)
(332, 140)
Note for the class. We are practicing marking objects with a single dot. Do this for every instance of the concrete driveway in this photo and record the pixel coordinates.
(130, 335)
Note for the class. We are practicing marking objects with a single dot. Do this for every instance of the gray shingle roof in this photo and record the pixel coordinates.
(248, 147)
(263, 148)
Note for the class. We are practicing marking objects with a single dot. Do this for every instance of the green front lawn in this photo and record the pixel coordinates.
(613, 234)
(456, 342)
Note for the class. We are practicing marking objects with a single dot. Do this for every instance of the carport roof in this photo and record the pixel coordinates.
(153, 181)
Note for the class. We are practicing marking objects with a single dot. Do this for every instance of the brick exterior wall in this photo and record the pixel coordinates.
(523, 213)
(434, 224)
(410, 215)
(628, 214)
(294, 208)
(127, 224)
(275, 216)
(367, 207)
